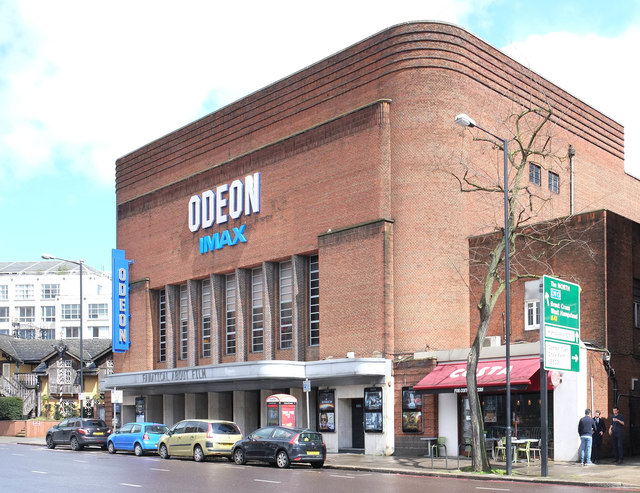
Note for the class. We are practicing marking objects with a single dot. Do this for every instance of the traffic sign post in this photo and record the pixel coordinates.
(559, 343)
(560, 304)
(306, 388)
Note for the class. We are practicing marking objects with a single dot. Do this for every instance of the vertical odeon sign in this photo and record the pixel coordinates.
(120, 301)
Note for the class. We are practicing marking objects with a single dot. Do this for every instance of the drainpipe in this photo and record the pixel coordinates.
(572, 154)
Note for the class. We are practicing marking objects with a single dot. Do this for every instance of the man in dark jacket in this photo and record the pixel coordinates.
(617, 424)
(601, 427)
(586, 428)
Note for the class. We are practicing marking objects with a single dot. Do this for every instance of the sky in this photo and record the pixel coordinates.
(84, 83)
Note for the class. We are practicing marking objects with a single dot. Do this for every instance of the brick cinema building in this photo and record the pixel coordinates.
(313, 231)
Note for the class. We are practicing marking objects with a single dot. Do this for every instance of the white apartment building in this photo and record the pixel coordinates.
(41, 300)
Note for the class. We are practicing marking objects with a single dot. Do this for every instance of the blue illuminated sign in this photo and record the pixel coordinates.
(120, 301)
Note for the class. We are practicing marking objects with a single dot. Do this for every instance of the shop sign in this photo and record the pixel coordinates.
(220, 205)
(120, 301)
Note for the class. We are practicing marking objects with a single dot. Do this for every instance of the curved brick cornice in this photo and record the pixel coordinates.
(415, 46)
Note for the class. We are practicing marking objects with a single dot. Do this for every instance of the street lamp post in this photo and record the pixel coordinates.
(79, 263)
(467, 121)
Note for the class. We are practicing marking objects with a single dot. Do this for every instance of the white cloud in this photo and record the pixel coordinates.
(82, 83)
(86, 82)
(598, 70)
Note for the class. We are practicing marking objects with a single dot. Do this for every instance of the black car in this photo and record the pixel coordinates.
(281, 446)
(79, 433)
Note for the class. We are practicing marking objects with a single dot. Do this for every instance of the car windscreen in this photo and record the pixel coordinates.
(156, 429)
(94, 423)
(225, 428)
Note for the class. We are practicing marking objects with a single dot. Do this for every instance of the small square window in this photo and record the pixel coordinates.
(534, 173)
(554, 182)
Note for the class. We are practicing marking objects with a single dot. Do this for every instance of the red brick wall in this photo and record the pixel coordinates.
(364, 135)
(604, 268)
(352, 277)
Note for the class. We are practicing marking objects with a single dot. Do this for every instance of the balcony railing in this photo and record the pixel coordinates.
(29, 380)
(63, 388)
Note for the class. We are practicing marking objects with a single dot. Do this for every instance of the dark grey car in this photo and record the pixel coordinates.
(281, 446)
(79, 433)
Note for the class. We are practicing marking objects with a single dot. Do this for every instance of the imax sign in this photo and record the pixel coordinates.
(218, 206)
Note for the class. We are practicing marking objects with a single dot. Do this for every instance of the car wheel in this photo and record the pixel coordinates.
(317, 465)
(137, 449)
(164, 453)
(50, 443)
(238, 456)
(111, 448)
(198, 454)
(282, 460)
(75, 445)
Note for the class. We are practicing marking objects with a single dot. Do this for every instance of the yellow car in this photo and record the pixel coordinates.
(199, 438)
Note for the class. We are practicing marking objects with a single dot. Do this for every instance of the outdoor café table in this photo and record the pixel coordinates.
(429, 440)
(518, 441)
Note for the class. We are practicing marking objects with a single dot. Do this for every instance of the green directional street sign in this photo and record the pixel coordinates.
(560, 302)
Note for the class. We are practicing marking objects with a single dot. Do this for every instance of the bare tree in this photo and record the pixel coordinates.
(531, 245)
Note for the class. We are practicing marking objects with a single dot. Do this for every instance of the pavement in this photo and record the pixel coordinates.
(604, 475)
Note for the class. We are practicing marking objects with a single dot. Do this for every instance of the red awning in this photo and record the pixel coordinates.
(452, 377)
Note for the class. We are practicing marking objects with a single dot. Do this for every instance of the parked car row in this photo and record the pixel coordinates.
(197, 438)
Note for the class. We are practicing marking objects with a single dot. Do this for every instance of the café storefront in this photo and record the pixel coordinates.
(448, 380)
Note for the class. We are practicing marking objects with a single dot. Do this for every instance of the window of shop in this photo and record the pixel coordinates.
(525, 415)
(411, 411)
(534, 174)
(314, 301)
(50, 291)
(184, 320)
(162, 326)
(230, 308)
(206, 318)
(257, 314)
(286, 305)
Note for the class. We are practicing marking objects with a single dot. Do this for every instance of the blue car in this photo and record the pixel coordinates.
(136, 437)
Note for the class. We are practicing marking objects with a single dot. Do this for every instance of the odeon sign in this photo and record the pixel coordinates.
(227, 202)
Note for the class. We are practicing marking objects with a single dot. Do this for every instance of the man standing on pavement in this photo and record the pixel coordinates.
(596, 450)
(586, 428)
(615, 430)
